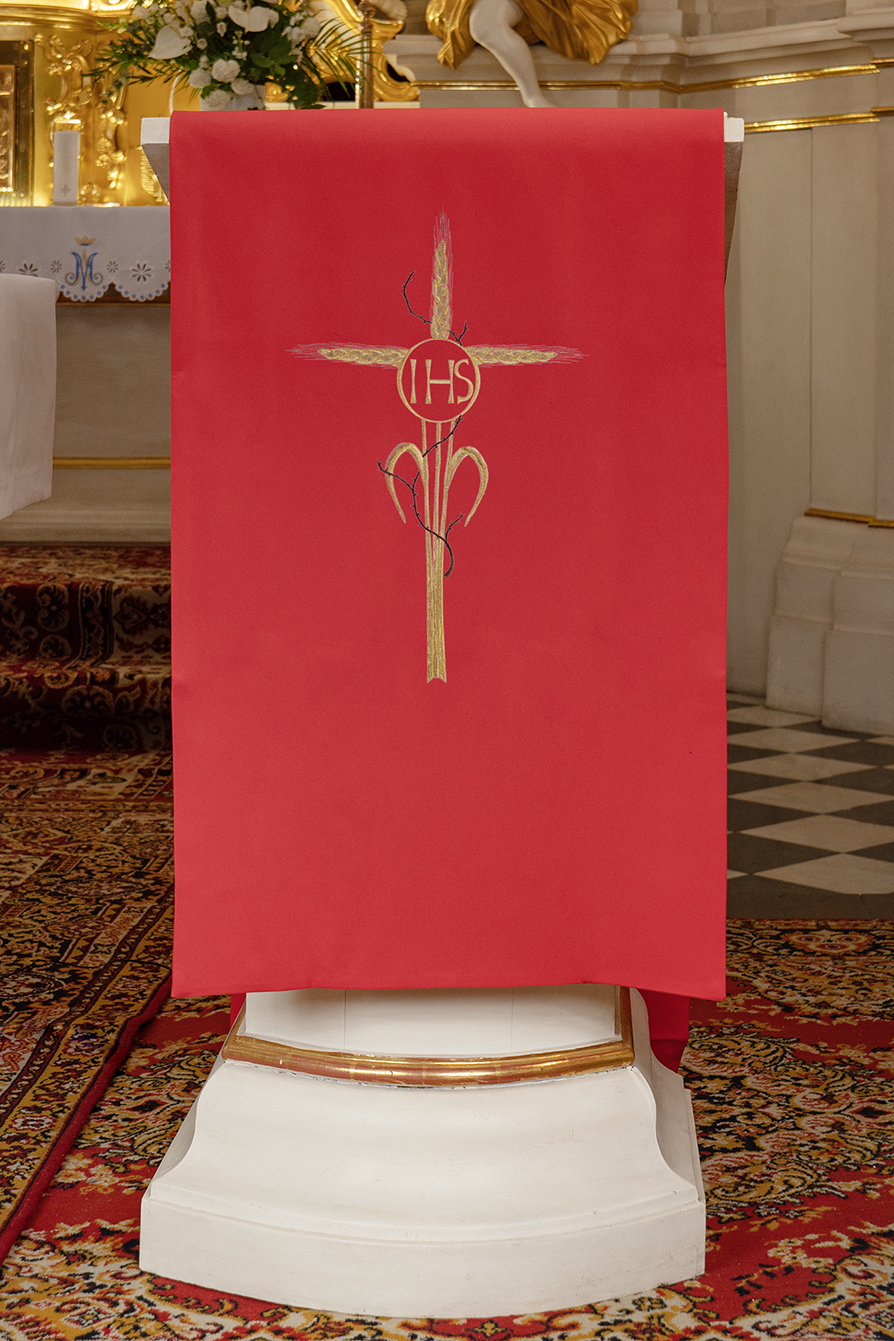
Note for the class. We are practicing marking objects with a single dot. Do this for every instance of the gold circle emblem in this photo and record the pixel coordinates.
(438, 380)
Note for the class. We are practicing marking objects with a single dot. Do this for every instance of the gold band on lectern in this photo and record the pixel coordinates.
(371, 1069)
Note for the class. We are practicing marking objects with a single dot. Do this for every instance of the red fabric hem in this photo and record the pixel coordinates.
(669, 1051)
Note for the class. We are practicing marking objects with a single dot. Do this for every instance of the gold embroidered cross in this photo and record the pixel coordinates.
(438, 381)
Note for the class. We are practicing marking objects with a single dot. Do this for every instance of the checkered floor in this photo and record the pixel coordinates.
(811, 817)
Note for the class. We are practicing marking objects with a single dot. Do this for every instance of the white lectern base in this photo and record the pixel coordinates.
(432, 1198)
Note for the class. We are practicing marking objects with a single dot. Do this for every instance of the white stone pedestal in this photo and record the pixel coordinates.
(439, 1153)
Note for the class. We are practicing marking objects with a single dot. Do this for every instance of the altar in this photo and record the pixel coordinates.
(110, 268)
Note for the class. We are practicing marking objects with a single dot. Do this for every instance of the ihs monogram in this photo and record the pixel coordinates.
(438, 381)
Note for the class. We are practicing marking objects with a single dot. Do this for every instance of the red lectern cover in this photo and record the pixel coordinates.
(449, 541)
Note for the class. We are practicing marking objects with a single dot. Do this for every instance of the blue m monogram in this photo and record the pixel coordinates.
(83, 270)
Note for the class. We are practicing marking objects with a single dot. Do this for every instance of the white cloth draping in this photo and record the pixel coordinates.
(88, 248)
(27, 389)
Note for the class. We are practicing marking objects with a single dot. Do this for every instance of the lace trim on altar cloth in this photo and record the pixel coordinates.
(88, 249)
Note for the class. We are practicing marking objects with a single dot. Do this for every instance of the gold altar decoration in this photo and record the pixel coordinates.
(47, 51)
(385, 86)
(46, 54)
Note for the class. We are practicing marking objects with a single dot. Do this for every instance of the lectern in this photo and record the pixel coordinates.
(448, 538)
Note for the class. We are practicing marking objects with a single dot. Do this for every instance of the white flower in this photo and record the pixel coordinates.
(221, 28)
(224, 71)
(199, 10)
(242, 86)
(200, 78)
(308, 27)
(201, 44)
(168, 44)
(217, 99)
(253, 20)
(203, 62)
(139, 12)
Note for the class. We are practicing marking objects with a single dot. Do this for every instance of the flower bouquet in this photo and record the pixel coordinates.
(228, 52)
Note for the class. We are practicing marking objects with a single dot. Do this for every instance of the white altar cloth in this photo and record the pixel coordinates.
(88, 248)
(27, 390)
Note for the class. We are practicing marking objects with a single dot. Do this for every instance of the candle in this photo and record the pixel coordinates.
(66, 161)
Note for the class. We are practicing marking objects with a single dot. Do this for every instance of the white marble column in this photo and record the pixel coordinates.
(831, 649)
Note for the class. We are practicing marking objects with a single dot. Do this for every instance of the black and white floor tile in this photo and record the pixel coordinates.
(811, 817)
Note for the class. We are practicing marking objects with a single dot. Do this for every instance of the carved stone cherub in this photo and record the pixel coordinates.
(576, 29)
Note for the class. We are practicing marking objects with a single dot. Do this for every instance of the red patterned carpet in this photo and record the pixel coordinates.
(85, 646)
(85, 928)
(791, 1078)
